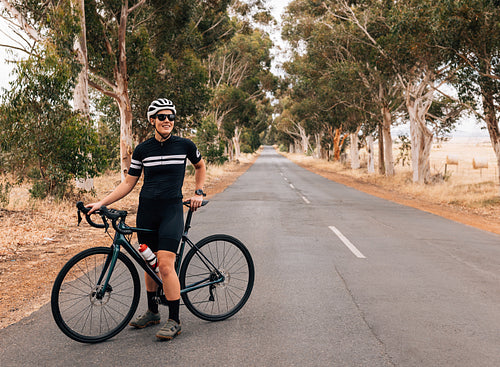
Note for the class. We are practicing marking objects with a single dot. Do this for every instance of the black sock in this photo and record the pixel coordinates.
(173, 310)
(152, 305)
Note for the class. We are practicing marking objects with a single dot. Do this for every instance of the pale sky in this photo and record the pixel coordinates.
(4, 68)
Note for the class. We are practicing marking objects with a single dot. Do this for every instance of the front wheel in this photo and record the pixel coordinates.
(226, 263)
(84, 313)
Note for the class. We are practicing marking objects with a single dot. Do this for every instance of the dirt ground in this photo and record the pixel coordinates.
(28, 269)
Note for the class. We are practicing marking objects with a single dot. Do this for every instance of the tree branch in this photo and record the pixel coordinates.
(108, 83)
(103, 90)
(130, 10)
(16, 48)
(21, 20)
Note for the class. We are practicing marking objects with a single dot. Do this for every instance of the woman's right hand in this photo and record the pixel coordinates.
(94, 207)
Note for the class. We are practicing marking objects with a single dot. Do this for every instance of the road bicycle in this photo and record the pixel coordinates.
(97, 292)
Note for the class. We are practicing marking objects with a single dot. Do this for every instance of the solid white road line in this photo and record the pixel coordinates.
(348, 243)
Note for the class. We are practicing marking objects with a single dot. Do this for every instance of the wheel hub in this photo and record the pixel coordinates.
(227, 279)
(97, 300)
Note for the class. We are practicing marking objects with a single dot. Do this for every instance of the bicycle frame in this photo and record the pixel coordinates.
(121, 241)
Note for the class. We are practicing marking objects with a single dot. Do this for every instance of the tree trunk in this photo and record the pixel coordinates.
(338, 141)
(371, 160)
(304, 139)
(386, 130)
(381, 162)
(126, 149)
(236, 141)
(492, 125)
(354, 150)
(81, 98)
(489, 108)
(118, 89)
(418, 102)
(230, 150)
(317, 138)
(297, 146)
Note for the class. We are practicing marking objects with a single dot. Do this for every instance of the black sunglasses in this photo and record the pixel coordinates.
(163, 116)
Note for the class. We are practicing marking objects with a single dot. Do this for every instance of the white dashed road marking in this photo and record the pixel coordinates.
(348, 243)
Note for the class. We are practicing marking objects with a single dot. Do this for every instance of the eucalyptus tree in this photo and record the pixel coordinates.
(476, 50)
(423, 68)
(154, 53)
(298, 106)
(137, 50)
(392, 41)
(240, 78)
(352, 69)
(47, 140)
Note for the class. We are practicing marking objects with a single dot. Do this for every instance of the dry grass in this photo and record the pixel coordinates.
(39, 236)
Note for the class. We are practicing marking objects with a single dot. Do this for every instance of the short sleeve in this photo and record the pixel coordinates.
(136, 164)
(193, 153)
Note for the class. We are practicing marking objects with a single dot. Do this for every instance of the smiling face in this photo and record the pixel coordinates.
(163, 128)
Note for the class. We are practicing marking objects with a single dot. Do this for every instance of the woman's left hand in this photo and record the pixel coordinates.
(196, 201)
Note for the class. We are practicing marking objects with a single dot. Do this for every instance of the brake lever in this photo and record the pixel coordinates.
(105, 222)
(79, 218)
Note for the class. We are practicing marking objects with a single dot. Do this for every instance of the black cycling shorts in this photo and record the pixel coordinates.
(166, 218)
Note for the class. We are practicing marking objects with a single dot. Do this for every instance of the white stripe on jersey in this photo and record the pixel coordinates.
(162, 157)
(162, 163)
(136, 164)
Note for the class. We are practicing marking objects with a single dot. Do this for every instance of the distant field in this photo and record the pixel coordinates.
(464, 150)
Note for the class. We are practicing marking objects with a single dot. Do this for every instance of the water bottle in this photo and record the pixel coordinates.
(149, 256)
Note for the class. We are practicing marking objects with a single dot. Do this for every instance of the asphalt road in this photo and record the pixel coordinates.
(342, 279)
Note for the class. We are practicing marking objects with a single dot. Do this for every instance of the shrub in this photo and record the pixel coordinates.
(208, 142)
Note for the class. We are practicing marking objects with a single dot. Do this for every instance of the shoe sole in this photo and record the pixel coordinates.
(150, 323)
(161, 337)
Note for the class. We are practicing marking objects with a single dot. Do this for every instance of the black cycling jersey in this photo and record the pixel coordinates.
(164, 165)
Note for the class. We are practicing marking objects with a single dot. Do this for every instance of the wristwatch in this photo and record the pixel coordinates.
(200, 192)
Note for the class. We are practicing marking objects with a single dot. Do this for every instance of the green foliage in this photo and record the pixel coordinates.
(40, 130)
(167, 48)
(475, 27)
(283, 148)
(240, 77)
(404, 155)
(209, 144)
(250, 141)
(166, 43)
(108, 126)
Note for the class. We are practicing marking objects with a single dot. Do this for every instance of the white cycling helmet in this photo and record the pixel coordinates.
(159, 105)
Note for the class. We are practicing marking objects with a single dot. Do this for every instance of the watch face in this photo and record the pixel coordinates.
(199, 192)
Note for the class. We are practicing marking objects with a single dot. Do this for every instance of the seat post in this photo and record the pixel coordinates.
(187, 224)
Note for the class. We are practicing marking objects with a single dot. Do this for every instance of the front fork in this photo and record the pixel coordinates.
(109, 266)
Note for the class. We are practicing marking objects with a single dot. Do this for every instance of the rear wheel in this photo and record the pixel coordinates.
(77, 308)
(224, 260)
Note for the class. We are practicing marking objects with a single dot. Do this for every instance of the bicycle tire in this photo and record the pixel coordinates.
(222, 300)
(76, 310)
